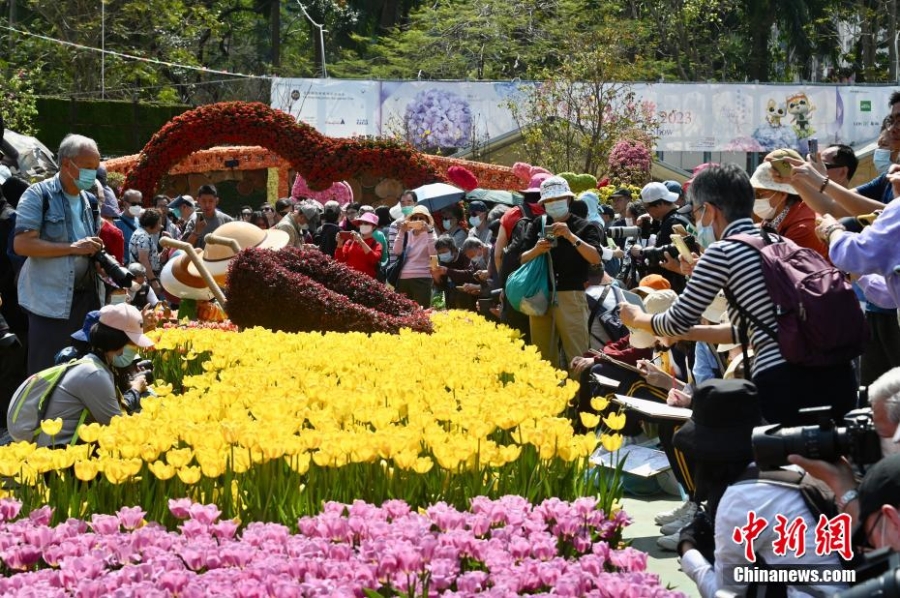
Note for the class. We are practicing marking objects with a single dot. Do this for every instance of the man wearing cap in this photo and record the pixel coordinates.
(718, 439)
(619, 201)
(183, 208)
(57, 285)
(299, 222)
(478, 220)
(873, 505)
(576, 244)
(207, 219)
(675, 187)
(661, 205)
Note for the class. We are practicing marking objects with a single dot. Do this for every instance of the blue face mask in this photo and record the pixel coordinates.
(882, 160)
(706, 235)
(86, 178)
(445, 257)
(474, 220)
(126, 358)
(177, 212)
(448, 224)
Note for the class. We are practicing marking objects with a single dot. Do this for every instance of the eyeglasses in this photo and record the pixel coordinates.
(246, 213)
(891, 121)
(866, 542)
(829, 165)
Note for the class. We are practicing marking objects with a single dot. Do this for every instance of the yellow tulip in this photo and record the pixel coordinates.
(598, 404)
(189, 475)
(86, 470)
(161, 470)
(178, 458)
(615, 421)
(589, 420)
(52, 427)
(611, 442)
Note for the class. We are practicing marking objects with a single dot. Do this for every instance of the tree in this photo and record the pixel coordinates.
(19, 103)
(572, 120)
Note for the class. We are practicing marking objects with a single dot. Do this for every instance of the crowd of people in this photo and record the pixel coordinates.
(682, 295)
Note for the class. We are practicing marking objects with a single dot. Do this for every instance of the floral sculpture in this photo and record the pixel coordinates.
(320, 159)
(438, 118)
(299, 290)
(340, 192)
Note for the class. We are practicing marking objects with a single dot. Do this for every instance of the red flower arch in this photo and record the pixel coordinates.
(320, 159)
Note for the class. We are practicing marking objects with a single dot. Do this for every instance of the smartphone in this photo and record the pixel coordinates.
(434, 261)
(345, 235)
(813, 144)
(782, 166)
(200, 217)
(683, 250)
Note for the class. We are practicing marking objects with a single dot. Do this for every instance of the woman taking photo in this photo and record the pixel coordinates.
(415, 236)
(87, 392)
(360, 250)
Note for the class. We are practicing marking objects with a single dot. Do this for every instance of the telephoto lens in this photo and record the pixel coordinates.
(116, 272)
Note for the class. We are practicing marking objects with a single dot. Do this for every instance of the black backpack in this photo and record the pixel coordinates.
(512, 253)
(613, 328)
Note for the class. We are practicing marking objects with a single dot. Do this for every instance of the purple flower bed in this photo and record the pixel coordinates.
(503, 547)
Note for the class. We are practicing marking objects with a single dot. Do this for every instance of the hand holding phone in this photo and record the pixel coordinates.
(345, 235)
(813, 144)
(683, 250)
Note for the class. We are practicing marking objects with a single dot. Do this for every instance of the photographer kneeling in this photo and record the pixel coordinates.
(718, 439)
(87, 392)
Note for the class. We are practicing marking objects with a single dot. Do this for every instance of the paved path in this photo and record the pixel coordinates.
(643, 534)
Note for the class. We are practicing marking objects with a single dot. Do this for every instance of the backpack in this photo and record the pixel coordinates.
(512, 253)
(612, 328)
(807, 294)
(28, 406)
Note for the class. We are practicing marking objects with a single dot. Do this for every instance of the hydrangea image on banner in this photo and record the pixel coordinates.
(438, 118)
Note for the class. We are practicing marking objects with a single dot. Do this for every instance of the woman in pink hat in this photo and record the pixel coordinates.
(87, 392)
(360, 250)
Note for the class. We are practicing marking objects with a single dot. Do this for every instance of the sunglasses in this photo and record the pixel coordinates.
(268, 209)
(829, 165)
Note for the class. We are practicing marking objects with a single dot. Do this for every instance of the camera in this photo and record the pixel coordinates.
(623, 232)
(119, 274)
(857, 439)
(552, 238)
(878, 575)
(655, 255)
(856, 224)
(145, 367)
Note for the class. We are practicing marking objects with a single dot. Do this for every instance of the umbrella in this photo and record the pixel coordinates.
(438, 196)
(494, 196)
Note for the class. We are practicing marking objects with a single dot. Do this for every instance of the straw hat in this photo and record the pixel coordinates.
(180, 283)
(217, 257)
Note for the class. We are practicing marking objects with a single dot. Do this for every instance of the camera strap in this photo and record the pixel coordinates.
(743, 330)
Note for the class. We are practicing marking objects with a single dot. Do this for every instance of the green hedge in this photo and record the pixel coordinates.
(120, 128)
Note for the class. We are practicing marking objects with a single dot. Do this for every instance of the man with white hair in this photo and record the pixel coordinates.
(57, 232)
(884, 399)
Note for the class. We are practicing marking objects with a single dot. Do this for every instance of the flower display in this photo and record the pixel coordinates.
(269, 425)
(494, 548)
(438, 118)
(340, 192)
(629, 161)
(320, 159)
(297, 290)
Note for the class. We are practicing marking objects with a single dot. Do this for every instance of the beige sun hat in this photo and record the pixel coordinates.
(762, 179)
(217, 257)
(655, 303)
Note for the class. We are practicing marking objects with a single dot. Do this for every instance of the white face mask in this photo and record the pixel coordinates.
(629, 222)
(366, 229)
(763, 209)
(557, 209)
(881, 159)
(134, 210)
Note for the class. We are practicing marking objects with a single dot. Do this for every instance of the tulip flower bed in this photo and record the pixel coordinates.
(504, 547)
(269, 426)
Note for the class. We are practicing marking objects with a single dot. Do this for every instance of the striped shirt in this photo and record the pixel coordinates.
(739, 268)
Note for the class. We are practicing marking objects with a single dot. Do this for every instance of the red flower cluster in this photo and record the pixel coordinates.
(301, 290)
(320, 159)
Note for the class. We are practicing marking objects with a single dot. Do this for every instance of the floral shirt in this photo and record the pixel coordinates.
(141, 239)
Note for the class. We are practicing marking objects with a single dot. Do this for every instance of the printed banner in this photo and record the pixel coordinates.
(692, 116)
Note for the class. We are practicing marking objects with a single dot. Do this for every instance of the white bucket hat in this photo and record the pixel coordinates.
(555, 187)
(655, 303)
(762, 179)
